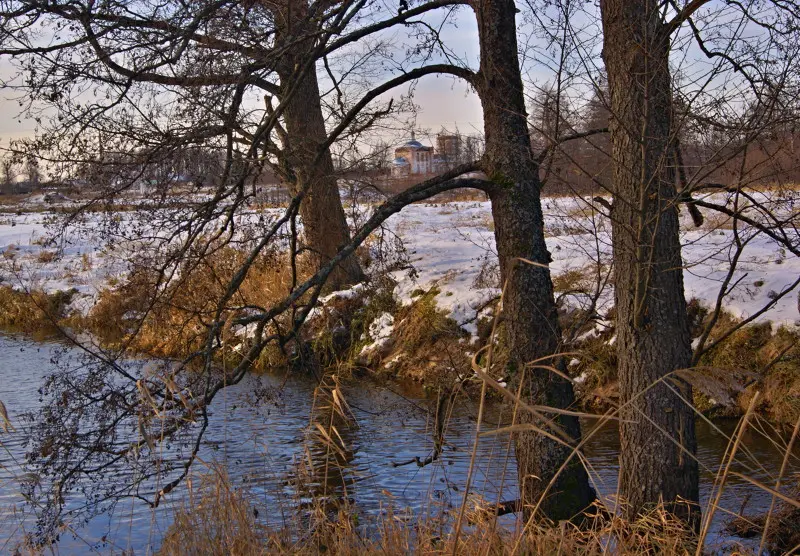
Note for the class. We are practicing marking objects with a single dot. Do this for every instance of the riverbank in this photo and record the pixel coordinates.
(429, 304)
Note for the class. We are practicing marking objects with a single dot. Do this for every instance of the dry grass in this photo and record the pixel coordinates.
(754, 358)
(46, 256)
(175, 322)
(218, 519)
(35, 313)
(773, 359)
(427, 345)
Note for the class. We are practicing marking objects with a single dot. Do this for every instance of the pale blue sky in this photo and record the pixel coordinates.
(443, 100)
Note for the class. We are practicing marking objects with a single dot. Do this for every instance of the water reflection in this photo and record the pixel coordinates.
(264, 431)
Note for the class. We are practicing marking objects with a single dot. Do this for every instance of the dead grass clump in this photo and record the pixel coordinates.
(597, 373)
(573, 279)
(427, 345)
(10, 252)
(36, 313)
(172, 319)
(46, 256)
(772, 358)
(217, 519)
(118, 311)
(422, 323)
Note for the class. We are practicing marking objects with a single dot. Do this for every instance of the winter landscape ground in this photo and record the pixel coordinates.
(445, 249)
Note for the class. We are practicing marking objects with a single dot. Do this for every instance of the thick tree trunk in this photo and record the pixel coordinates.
(324, 224)
(652, 327)
(529, 309)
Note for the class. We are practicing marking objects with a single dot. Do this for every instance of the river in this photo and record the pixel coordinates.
(260, 447)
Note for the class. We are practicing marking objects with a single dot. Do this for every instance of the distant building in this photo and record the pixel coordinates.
(448, 147)
(415, 159)
(412, 158)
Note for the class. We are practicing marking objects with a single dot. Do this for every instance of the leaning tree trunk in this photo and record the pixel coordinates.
(657, 428)
(529, 308)
(325, 227)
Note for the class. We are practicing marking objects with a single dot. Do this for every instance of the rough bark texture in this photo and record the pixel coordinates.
(324, 224)
(652, 327)
(529, 308)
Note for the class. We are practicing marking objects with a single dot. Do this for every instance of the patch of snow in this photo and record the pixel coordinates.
(245, 331)
(349, 293)
(380, 330)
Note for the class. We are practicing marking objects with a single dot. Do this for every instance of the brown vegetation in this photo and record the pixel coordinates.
(771, 359)
(175, 322)
(35, 313)
(217, 518)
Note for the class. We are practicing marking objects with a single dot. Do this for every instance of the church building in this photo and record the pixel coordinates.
(412, 158)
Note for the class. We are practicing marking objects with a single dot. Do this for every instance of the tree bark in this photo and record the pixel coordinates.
(529, 308)
(652, 326)
(324, 223)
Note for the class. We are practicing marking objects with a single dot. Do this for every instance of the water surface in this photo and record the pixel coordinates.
(261, 444)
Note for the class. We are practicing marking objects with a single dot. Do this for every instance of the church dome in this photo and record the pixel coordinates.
(414, 144)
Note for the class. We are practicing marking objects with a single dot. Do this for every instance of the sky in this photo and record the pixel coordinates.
(10, 125)
(443, 101)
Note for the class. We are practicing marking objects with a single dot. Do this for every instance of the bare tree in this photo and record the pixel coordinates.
(7, 174)
(652, 327)
(649, 180)
(529, 305)
(32, 172)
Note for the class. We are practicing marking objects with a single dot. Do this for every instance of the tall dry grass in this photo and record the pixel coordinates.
(175, 321)
(218, 518)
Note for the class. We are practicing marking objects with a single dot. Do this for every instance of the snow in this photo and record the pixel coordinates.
(451, 248)
(380, 331)
(349, 293)
(30, 260)
(449, 243)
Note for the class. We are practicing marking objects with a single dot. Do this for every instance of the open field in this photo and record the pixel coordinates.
(449, 245)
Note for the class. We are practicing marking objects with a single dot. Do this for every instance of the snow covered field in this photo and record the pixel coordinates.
(451, 247)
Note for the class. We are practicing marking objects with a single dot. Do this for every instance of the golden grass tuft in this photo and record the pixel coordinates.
(219, 519)
(35, 313)
(175, 321)
(216, 519)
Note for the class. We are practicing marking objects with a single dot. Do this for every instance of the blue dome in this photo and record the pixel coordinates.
(413, 143)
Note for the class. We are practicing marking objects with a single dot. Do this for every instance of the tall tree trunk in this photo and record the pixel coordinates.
(652, 327)
(529, 309)
(324, 224)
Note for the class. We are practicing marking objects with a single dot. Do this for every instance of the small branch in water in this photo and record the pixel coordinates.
(443, 402)
(420, 462)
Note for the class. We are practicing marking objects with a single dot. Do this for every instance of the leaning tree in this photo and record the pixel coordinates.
(239, 80)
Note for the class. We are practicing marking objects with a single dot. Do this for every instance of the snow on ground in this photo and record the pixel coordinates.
(30, 260)
(451, 248)
(449, 244)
